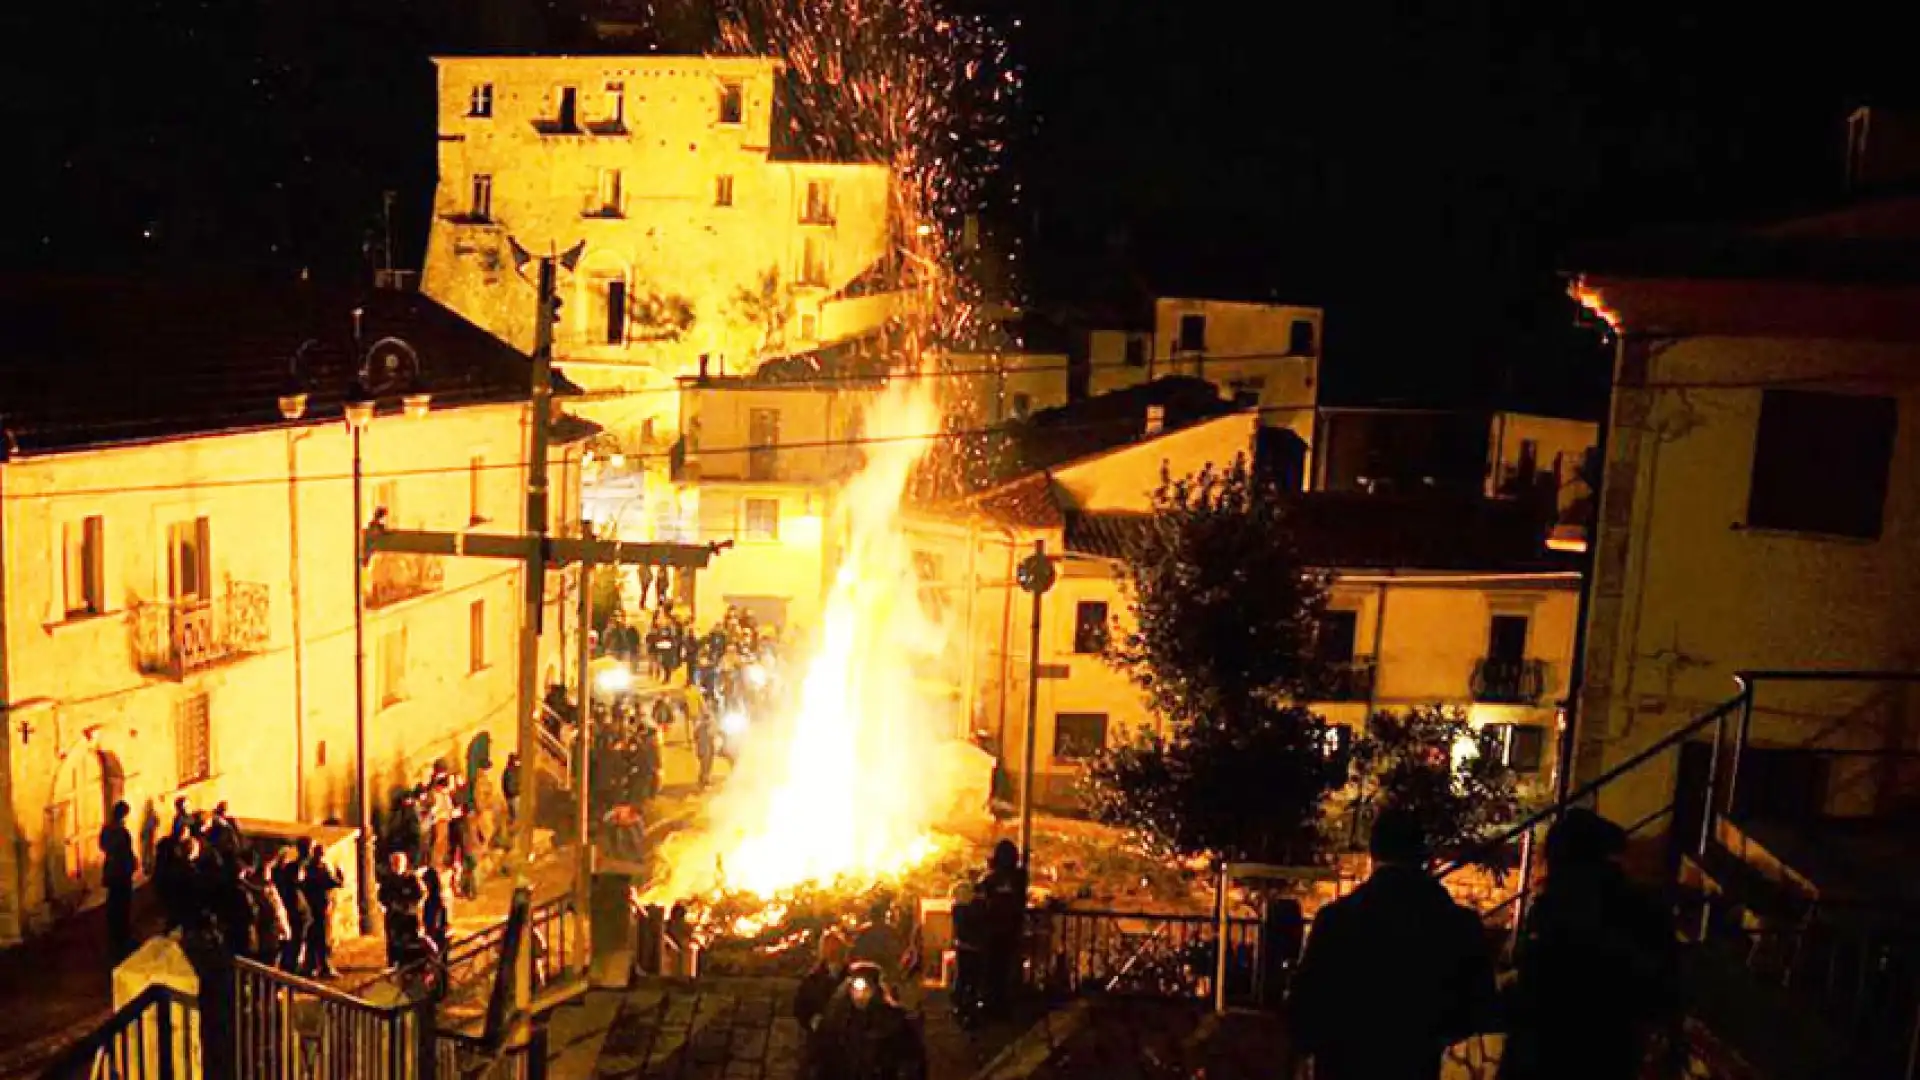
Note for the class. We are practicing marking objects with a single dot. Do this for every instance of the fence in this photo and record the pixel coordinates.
(289, 1027)
(153, 1037)
(1120, 952)
(467, 971)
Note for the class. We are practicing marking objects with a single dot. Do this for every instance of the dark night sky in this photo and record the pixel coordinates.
(1419, 171)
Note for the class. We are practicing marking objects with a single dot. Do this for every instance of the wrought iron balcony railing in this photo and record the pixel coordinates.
(395, 576)
(175, 638)
(1507, 681)
(1351, 680)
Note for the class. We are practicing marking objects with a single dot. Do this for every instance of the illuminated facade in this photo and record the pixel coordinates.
(699, 240)
(1457, 604)
(178, 567)
(1760, 511)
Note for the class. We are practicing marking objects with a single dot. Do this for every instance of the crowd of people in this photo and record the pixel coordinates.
(216, 888)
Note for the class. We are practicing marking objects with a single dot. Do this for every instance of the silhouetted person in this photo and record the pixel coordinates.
(1394, 972)
(865, 1035)
(510, 787)
(287, 875)
(436, 910)
(1002, 895)
(969, 953)
(816, 990)
(318, 882)
(119, 867)
(400, 898)
(1597, 963)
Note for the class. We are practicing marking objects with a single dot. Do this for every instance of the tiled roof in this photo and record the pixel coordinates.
(90, 362)
(1341, 531)
(1031, 502)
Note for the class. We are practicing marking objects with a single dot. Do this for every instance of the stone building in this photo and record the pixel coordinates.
(177, 610)
(702, 237)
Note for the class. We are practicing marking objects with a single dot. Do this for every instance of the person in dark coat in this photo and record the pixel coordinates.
(119, 867)
(969, 953)
(510, 787)
(436, 910)
(173, 877)
(1002, 895)
(1394, 972)
(318, 883)
(400, 897)
(1597, 962)
(816, 989)
(287, 875)
(864, 1034)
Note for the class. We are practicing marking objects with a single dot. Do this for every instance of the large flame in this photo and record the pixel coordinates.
(846, 787)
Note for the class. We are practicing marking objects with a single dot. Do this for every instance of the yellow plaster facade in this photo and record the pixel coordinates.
(663, 167)
(1690, 588)
(180, 621)
(1419, 636)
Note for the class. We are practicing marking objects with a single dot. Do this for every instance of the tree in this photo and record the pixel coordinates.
(1223, 618)
(1432, 762)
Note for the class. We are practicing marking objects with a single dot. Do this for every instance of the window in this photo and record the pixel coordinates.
(85, 547)
(819, 206)
(927, 568)
(1090, 626)
(393, 666)
(1300, 338)
(190, 561)
(1022, 405)
(809, 327)
(1507, 638)
(763, 519)
(1820, 463)
(567, 116)
(480, 205)
(615, 325)
(813, 261)
(606, 194)
(1246, 392)
(1136, 351)
(1193, 333)
(1523, 746)
(1077, 736)
(476, 489)
(476, 635)
(1333, 640)
(763, 441)
(386, 496)
(193, 739)
(731, 103)
(615, 115)
(723, 191)
(480, 100)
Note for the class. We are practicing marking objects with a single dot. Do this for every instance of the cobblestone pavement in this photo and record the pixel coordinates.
(727, 1029)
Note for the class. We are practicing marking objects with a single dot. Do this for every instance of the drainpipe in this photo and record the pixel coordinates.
(972, 672)
(8, 834)
(1006, 642)
(299, 631)
(1379, 639)
(1566, 744)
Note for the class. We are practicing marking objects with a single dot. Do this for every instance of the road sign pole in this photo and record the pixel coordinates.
(1036, 577)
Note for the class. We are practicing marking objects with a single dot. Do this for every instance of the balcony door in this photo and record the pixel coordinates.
(190, 562)
(1507, 641)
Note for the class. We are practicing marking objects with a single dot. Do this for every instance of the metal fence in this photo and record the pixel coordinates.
(153, 1037)
(1070, 951)
(289, 1027)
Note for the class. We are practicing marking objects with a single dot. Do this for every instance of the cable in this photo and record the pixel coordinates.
(1184, 359)
(451, 470)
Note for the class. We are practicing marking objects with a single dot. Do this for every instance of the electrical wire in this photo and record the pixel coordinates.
(468, 469)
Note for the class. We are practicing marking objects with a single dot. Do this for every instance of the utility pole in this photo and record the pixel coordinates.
(535, 571)
(583, 884)
(1036, 576)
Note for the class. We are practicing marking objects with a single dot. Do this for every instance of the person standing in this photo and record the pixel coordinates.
(318, 882)
(1002, 894)
(1394, 972)
(436, 910)
(287, 874)
(119, 867)
(865, 1034)
(969, 952)
(400, 897)
(510, 788)
(705, 745)
(1598, 966)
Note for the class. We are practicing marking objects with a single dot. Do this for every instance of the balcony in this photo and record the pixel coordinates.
(397, 576)
(1508, 681)
(175, 638)
(1350, 680)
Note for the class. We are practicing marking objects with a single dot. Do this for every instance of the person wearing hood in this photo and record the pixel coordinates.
(1002, 896)
(864, 1034)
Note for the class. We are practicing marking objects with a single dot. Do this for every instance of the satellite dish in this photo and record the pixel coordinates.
(389, 365)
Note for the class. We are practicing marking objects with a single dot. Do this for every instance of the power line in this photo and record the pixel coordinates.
(452, 470)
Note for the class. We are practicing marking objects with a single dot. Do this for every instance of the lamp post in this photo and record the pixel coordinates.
(1036, 576)
(390, 364)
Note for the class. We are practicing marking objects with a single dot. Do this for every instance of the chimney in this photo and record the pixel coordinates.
(1883, 149)
(1156, 419)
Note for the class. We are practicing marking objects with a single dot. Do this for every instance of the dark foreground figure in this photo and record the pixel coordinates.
(1394, 972)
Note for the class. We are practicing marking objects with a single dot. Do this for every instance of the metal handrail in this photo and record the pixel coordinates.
(81, 1059)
